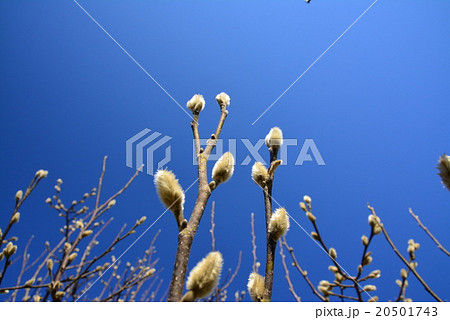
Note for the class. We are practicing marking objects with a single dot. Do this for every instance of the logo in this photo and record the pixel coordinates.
(143, 146)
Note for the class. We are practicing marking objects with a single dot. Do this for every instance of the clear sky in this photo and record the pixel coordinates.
(376, 105)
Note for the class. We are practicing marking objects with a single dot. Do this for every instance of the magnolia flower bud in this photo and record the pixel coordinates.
(15, 218)
(303, 206)
(333, 269)
(315, 236)
(223, 168)
(196, 104)
(311, 217)
(205, 275)
(255, 286)
(444, 170)
(373, 220)
(260, 174)
(333, 253)
(86, 233)
(19, 195)
(403, 274)
(111, 204)
(223, 99)
(364, 240)
(29, 282)
(274, 138)
(170, 193)
(141, 220)
(307, 199)
(72, 257)
(375, 274)
(279, 224)
(9, 250)
(59, 295)
(49, 265)
(369, 288)
(40, 174)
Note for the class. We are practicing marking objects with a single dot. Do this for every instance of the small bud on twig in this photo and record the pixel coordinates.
(260, 174)
(274, 138)
(205, 275)
(223, 169)
(196, 104)
(255, 286)
(19, 195)
(279, 223)
(223, 99)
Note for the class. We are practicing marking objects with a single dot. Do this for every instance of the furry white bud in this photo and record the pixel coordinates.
(196, 104)
(274, 138)
(255, 286)
(260, 174)
(205, 275)
(279, 223)
(223, 168)
(223, 99)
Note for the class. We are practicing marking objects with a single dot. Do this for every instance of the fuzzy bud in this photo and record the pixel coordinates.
(19, 195)
(375, 274)
(29, 282)
(369, 288)
(72, 257)
(149, 273)
(303, 206)
(260, 174)
(40, 174)
(223, 99)
(364, 240)
(67, 246)
(49, 265)
(307, 199)
(86, 233)
(205, 275)
(333, 253)
(367, 259)
(444, 170)
(48, 200)
(310, 216)
(373, 299)
(15, 218)
(170, 193)
(333, 269)
(196, 104)
(403, 274)
(59, 295)
(141, 220)
(315, 236)
(373, 220)
(274, 138)
(255, 286)
(111, 204)
(279, 223)
(223, 168)
(9, 250)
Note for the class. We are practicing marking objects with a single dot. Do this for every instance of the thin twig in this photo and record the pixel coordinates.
(213, 240)
(425, 285)
(287, 276)
(440, 246)
(255, 259)
(302, 272)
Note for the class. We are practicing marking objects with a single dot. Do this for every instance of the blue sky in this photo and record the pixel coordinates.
(376, 105)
